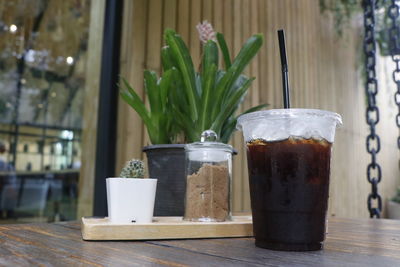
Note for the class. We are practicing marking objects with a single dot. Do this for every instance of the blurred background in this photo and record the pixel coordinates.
(63, 128)
(43, 57)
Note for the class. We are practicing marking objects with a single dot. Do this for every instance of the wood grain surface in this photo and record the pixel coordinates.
(350, 242)
(165, 228)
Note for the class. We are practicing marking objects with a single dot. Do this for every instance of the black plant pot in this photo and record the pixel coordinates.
(167, 164)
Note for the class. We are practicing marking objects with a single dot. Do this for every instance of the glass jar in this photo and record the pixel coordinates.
(208, 174)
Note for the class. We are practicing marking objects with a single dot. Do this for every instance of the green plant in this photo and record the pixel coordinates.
(133, 168)
(183, 101)
(344, 10)
(396, 198)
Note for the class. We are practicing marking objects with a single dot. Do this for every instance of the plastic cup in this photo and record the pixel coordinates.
(289, 154)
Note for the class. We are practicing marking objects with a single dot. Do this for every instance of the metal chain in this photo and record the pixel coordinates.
(374, 172)
(394, 47)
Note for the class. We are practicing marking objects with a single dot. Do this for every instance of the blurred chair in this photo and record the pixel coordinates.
(34, 196)
(9, 196)
(56, 193)
(56, 190)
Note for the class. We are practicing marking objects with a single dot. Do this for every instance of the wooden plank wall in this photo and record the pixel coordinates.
(323, 74)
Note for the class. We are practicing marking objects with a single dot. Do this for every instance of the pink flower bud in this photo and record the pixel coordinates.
(206, 31)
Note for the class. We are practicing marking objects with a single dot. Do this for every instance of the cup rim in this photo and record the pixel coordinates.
(131, 179)
(288, 113)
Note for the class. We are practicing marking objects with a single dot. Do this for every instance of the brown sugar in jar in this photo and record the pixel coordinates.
(207, 193)
(208, 174)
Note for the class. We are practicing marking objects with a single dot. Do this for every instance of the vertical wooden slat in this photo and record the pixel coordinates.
(275, 69)
(243, 9)
(238, 32)
(335, 185)
(170, 14)
(153, 44)
(253, 97)
(228, 25)
(195, 44)
(268, 54)
(275, 10)
(246, 27)
(295, 51)
(303, 43)
(218, 15)
(154, 35)
(91, 98)
(132, 65)
(207, 13)
(184, 19)
(313, 56)
(254, 66)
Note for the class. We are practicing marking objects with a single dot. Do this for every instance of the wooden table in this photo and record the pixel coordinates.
(350, 242)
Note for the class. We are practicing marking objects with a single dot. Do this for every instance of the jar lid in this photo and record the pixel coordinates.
(209, 141)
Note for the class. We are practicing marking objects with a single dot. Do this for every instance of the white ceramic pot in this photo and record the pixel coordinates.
(130, 200)
(393, 209)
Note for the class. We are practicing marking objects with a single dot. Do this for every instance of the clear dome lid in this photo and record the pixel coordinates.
(279, 124)
(208, 149)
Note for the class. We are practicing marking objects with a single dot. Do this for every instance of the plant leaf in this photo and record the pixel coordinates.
(131, 98)
(187, 126)
(230, 107)
(230, 125)
(256, 108)
(153, 92)
(166, 58)
(219, 93)
(210, 55)
(242, 79)
(176, 97)
(198, 84)
(164, 85)
(181, 55)
(228, 129)
(224, 50)
(209, 77)
(248, 51)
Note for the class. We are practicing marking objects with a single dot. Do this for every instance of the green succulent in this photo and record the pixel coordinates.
(184, 102)
(133, 168)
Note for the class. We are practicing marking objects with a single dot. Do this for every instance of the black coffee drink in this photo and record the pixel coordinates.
(289, 186)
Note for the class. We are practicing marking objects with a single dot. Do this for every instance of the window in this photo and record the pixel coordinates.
(43, 72)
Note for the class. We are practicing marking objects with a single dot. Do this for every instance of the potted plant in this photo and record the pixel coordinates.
(185, 102)
(394, 206)
(130, 197)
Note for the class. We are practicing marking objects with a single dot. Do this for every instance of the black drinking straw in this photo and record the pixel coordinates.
(285, 76)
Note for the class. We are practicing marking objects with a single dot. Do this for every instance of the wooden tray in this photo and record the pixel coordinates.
(165, 228)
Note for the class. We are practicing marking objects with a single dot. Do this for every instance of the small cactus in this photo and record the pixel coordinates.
(134, 168)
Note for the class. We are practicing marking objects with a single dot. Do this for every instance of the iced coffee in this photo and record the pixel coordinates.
(289, 154)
